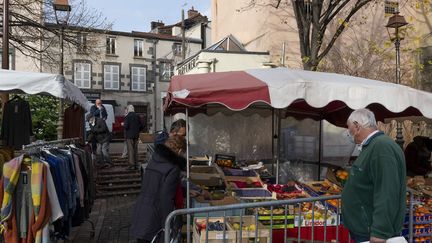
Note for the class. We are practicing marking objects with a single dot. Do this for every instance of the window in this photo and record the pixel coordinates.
(111, 45)
(11, 67)
(81, 42)
(138, 48)
(166, 70)
(111, 77)
(177, 50)
(391, 7)
(82, 75)
(138, 78)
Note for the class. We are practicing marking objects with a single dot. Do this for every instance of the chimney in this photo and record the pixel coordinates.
(192, 13)
(157, 24)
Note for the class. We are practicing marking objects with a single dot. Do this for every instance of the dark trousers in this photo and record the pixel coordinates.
(359, 238)
(132, 147)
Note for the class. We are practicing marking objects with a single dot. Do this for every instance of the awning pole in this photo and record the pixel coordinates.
(320, 149)
(278, 145)
(273, 132)
(187, 175)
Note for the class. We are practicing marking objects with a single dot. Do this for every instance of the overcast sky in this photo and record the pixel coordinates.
(128, 15)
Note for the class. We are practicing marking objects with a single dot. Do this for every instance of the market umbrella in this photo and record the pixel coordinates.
(301, 93)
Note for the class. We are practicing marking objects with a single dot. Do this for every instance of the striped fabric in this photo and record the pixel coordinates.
(11, 172)
(36, 188)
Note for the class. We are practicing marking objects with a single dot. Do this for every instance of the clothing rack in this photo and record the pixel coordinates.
(59, 141)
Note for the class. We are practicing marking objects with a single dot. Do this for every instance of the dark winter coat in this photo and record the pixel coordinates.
(99, 131)
(156, 199)
(101, 113)
(132, 125)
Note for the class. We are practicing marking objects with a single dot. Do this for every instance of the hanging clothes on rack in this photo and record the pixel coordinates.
(45, 192)
(17, 123)
(74, 122)
(15, 229)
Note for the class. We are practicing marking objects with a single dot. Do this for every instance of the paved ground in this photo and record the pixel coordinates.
(110, 216)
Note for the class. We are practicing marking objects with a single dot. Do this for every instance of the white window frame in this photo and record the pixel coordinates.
(177, 49)
(138, 79)
(82, 42)
(164, 70)
(138, 48)
(111, 76)
(80, 73)
(111, 45)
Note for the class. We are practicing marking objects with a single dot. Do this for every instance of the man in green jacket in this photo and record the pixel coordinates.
(373, 199)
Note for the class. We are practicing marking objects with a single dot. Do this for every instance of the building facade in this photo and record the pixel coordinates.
(123, 68)
(364, 49)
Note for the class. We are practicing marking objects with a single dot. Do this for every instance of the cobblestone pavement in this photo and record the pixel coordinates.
(111, 219)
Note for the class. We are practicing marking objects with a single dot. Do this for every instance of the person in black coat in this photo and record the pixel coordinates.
(132, 125)
(160, 182)
(99, 132)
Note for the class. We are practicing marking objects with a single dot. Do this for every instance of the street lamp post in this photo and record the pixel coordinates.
(61, 6)
(395, 22)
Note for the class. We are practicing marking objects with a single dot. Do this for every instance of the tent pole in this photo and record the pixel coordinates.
(278, 144)
(188, 174)
(273, 132)
(320, 148)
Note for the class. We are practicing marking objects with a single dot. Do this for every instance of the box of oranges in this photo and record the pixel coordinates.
(337, 176)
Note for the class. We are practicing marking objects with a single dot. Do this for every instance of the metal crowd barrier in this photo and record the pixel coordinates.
(169, 235)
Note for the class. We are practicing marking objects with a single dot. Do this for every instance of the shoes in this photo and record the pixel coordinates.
(123, 156)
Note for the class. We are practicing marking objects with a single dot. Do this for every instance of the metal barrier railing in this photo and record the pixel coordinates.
(298, 216)
(296, 203)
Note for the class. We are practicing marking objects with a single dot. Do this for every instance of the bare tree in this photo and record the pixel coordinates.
(34, 31)
(313, 18)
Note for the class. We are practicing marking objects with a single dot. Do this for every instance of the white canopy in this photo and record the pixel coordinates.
(41, 83)
(302, 93)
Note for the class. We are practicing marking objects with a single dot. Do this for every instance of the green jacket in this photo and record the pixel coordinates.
(373, 199)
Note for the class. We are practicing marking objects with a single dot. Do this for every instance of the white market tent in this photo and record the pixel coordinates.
(41, 83)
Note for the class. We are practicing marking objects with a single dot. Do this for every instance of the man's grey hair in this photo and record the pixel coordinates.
(364, 117)
(130, 108)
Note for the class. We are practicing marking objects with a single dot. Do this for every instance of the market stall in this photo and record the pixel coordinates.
(41, 83)
(293, 93)
(16, 113)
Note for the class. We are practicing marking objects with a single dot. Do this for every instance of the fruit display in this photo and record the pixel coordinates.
(225, 160)
(276, 211)
(246, 184)
(342, 176)
(287, 191)
(323, 187)
(251, 227)
(212, 226)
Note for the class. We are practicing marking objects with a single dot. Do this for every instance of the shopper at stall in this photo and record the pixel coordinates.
(177, 128)
(161, 180)
(99, 132)
(132, 125)
(373, 199)
(417, 156)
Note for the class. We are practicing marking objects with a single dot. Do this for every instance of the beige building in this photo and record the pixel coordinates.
(364, 49)
(124, 68)
(228, 54)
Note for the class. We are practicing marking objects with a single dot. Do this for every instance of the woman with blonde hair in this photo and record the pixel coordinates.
(160, 182)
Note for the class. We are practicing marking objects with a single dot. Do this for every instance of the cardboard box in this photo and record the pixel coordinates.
(146, 137)
(259, 231)
(200, 236)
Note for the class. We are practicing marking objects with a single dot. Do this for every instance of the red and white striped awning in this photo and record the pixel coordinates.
(302, 93)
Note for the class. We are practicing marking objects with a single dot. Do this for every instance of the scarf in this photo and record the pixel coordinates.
(11, 172)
